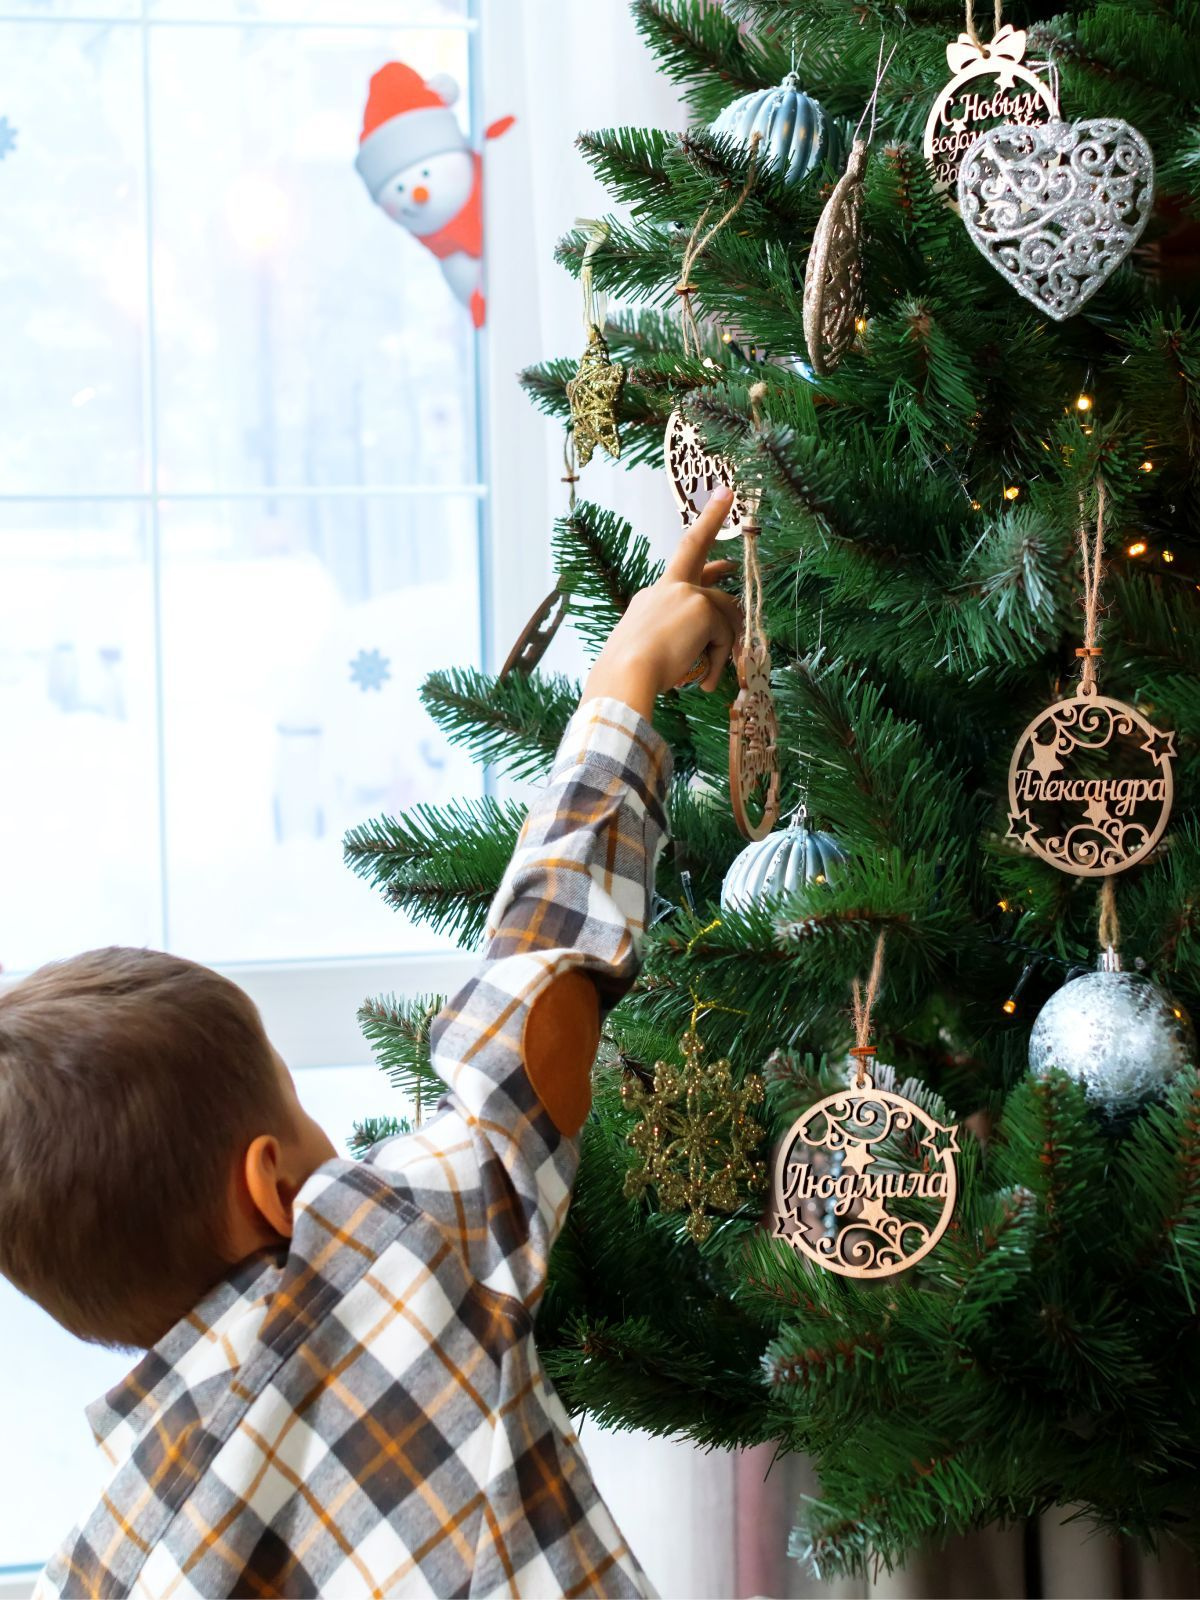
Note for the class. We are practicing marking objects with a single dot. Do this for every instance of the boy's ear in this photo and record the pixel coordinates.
(266, 1184)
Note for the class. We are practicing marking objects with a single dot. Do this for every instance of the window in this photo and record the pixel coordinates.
(241, 517)
(241, 499)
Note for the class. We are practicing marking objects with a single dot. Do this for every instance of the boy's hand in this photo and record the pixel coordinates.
(666, 627)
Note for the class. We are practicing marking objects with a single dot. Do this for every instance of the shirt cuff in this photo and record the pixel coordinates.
(608, 733)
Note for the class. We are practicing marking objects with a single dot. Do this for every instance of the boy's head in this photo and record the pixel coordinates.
(150, 1137)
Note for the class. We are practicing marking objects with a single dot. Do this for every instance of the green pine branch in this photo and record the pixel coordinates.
(440, 865)
(704, 52)
(513, 723)
(398, 1032)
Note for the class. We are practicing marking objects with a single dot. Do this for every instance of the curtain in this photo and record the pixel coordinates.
(703, 1523)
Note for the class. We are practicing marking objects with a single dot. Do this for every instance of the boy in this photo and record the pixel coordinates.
(341, 1394)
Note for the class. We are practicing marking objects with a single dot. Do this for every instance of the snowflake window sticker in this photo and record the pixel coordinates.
(370, 670)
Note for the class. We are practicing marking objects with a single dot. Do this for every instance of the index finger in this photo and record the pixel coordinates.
(687, 564)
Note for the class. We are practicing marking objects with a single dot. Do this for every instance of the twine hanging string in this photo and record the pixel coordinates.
(754, 634)
(699, 243)
(864, 1004)
(996, 19)
(570, 468)
(1109, 929)
(1091, 551)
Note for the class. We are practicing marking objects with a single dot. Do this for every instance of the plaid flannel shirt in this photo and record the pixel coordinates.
(368, 1414)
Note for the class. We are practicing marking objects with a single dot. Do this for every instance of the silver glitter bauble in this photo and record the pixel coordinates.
(1119, 1035)
(779, 864)
(1057, 207)
(797, 137)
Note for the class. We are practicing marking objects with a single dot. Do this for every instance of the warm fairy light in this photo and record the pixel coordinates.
(1003, 904)
(860, 324)
(1088, 430)
(1009, 1007)
(1168, 556)
(820, 878)
(1011, 492)
(727, 337)
(1084, 403)
(1177, 1011)
(1137, 548)
(1146, 466)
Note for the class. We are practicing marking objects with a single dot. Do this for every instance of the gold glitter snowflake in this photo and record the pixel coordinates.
(696, 1138)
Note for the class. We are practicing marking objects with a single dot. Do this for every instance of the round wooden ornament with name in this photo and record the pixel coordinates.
(855, 1177)
(1090, 785)
(694, 471)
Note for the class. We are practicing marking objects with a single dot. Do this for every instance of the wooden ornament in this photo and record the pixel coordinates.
(870, 1161)
(753, 756)
(534, 638)
(969, 104)
(833, 301)
(753, 723)
(1090, 785)
(694, 472)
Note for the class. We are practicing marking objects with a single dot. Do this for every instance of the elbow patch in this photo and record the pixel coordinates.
(562, 1032)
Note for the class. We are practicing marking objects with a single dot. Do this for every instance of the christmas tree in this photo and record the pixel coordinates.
(920, 553)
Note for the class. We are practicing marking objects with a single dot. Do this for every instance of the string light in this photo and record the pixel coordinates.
(1146, 466)
(1084, 403)
(1004, 905)
(975, 506)
(1168, 556)
(860, 324)
(1010, 1005)
(1011, 492)
(1137, 548)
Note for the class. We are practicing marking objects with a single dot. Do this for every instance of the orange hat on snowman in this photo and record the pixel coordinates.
(408, 119)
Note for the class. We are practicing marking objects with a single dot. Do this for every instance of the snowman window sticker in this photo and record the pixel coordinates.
(419, 169)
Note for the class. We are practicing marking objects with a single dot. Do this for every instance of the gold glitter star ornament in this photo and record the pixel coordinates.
(696, 1138)
(593, 394)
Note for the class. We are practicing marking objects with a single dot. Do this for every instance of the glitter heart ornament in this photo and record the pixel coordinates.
(1057, 207)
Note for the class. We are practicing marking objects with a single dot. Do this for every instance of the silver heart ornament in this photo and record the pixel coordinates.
(1057, 206)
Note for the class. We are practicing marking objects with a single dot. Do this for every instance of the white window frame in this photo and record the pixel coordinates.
(309, 1007)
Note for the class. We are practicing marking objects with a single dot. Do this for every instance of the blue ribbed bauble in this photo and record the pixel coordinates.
(797, 135)
(781, 863)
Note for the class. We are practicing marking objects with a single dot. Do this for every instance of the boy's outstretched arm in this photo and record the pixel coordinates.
(564, 934)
